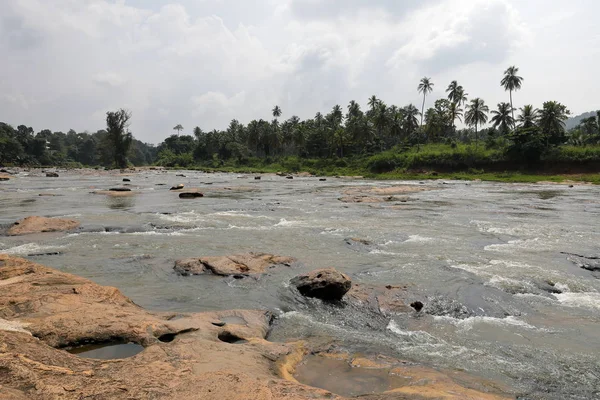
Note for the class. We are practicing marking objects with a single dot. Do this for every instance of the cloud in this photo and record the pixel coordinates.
(206, 62)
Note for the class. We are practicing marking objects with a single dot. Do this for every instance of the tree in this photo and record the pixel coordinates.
(476, 115)
(511, 82)
(502, 118)
(411, 122)
(425, 87)
(528, 117)
(276, 112)
(178, 128)
(120, 138)
(551, 120)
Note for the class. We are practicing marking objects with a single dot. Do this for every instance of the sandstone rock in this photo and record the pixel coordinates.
(4, 177)
(240, 264)
(177, 187)
(326, 284)
(51, 175)
(378, 299)
(190, 195)
(36, 224)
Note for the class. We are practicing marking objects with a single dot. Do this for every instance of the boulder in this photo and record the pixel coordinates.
(257, 178)
(4, 177)
(236, 265)
(120, 189)
(190, 195)
(51, 175)
(36, 224)
(178, 187)
(325, 284)
(289, 177)
(322, 179)
(126, 180)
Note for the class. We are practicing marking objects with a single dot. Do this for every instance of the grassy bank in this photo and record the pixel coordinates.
(462, 162)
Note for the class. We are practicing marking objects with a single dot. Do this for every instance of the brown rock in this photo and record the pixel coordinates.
(43, 310)
(326, 284)
(385, 300)
(240, 264)
(178, 187)
(41, 224)
(113, 193)
(51, 175)
(4, 177)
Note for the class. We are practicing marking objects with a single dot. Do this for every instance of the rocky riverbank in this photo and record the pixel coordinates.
(211, 355)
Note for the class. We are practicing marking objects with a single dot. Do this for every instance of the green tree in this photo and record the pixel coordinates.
(276, 112)
(502, 118)
(511, 82)
(117, 123)
(178, 128)
(528, 116)
(551, 121)
(425, 87)
(476, 115)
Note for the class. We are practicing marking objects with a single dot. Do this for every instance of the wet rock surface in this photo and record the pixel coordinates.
(35, 224)
(239, 264)
(325, 284)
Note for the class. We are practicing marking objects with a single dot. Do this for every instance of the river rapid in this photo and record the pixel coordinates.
(501, 300)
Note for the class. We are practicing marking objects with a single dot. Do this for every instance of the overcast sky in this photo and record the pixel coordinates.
(204, 62)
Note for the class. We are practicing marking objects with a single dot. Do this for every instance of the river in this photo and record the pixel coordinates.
(501, 300)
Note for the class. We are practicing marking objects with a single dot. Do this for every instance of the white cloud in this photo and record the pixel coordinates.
(204, 63)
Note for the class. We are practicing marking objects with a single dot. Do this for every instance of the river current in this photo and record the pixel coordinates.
(501, 299)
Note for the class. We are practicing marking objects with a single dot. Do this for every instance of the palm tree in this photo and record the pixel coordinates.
(456, 112)
(461, 96)
(511, 82)
(528, 117)
(411, 122)
(476, 115)
(551, 120)
(178, 128)
(276, 112)
(373, 102)
(502, 117)
(425, 87)
(456, 93)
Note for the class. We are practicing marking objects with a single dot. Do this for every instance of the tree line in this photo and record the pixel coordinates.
(524, 133)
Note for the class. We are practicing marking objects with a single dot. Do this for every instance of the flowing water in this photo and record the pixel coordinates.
(501, 301)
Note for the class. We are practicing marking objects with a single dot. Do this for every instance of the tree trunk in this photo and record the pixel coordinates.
(512, 110)
(422, 108)
(476, 137)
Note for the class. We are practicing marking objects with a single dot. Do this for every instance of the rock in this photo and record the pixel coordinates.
(190, 195)
(178, 187)
(590, 263)
(187, 355)
(4, 177)
(181, 175)
(36, 224)
(118, 193)
(49, 195)
(235, 265)
(119, 189)
(417, 305)
(281, 174)
(322, 179)
(51, 175)
(378, 299)
(126, 180)
(289, 177)
(257, 178)
(325, 284)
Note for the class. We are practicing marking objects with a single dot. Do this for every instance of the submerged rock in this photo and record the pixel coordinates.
(236, 265)
(178, 187)
(590, 263)
(51, 175)
(325, 284)
(36, 224)
(120, 189)
(190, 195)
(358, 244)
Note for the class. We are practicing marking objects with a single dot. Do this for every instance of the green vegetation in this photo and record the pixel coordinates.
(382, 141)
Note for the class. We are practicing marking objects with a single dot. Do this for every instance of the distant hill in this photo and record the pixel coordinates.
(574, 121)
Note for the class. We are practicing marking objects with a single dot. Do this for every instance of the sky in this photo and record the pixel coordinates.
(205, 62)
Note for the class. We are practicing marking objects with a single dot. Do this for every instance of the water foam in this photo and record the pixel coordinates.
(468, 323)
(590, 300)
(29, 248)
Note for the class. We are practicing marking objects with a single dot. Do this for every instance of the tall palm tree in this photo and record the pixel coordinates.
(476, 115)
(456, 112)
(528, 117)
(425, 87)
(511, 82)
(276, 112)
(178, 128)
(411, 122)
(373, 102)
(461, 96)
(502, 117)
(455, 92)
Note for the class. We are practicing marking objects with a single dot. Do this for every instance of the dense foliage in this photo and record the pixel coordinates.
(381, 138)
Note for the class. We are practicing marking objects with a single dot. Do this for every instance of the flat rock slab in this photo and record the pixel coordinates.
(41, 224)
(239, 264)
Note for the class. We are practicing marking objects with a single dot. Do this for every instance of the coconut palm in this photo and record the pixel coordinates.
(411, 123)
(502, 118)
(476, 115)
(551, 120)
(276, 112)
(511, 82)
(528, 117)
(373, 102)
(425, 87)
(456, 112)
(456, 93)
